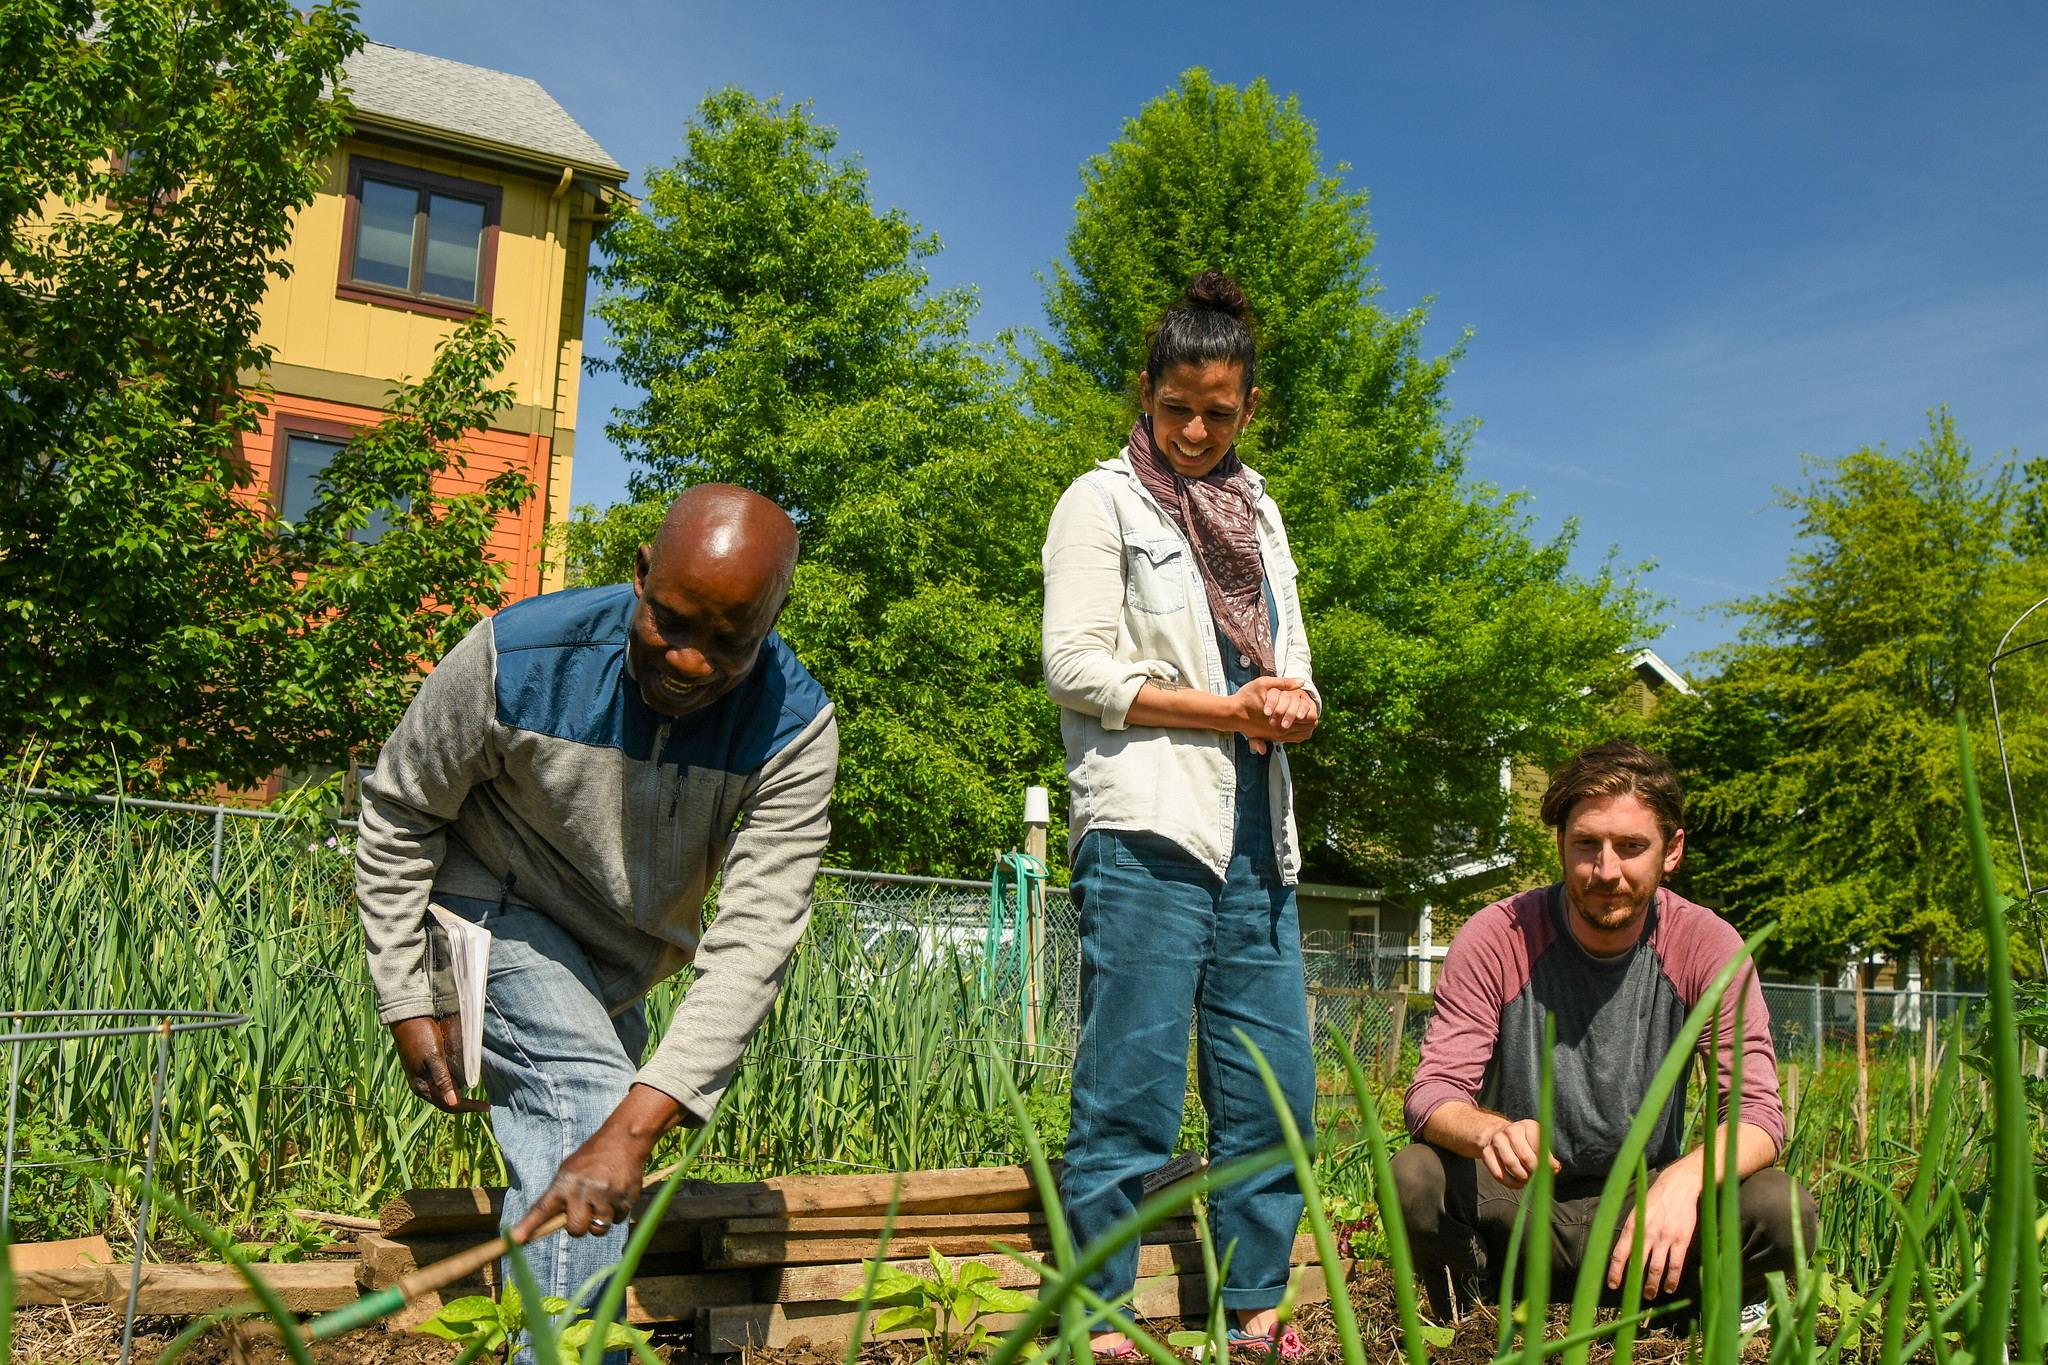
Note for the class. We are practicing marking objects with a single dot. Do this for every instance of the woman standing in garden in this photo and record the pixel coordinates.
(1174, 646)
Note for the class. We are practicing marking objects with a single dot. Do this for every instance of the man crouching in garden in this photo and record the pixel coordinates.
(1619, 962)
(570, 777)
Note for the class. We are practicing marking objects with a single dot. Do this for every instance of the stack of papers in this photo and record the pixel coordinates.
(470, 948)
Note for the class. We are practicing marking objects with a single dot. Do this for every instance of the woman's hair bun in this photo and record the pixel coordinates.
(1211, 322)
(1213, 291)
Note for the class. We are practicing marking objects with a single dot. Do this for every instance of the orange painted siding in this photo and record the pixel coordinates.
(517, 540)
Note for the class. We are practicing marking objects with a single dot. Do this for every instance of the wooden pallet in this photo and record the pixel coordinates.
(767, 1263)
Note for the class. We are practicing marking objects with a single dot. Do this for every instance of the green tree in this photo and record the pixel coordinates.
(1447, 641)
(158, 626)
(1820, 757)
(786, 337)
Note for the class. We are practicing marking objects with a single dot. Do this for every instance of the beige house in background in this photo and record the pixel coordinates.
(1404, 927)
(461, 191)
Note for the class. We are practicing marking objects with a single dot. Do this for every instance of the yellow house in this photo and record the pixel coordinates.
(461, 191)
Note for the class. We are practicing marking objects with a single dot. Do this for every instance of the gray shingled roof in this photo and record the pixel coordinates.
(471, 100)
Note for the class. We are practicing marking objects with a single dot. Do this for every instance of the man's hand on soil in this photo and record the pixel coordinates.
(598, 1185)
(1510, 1152)
(1670, 1212)
(424, 1047)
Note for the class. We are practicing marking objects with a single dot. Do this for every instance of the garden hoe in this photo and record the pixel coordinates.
(440, 1275)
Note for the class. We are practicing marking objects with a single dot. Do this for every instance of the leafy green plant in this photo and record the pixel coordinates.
(1947, 1192)
(947, 1306)
(56, 1185)
(2030, 1015)
(477, 1322)
(300, 1241)
(497, 1323)
(1357, 1226)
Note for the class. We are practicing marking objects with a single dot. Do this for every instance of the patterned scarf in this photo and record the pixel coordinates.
(1215, 513)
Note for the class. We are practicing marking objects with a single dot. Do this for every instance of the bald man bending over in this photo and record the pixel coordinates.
(572, 776)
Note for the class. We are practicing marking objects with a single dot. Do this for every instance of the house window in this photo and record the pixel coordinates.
(418, 239)
(306, 458)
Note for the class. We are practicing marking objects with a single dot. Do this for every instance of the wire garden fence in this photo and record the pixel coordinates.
(1809, 1022)
(905, 1002)
(36, 1028)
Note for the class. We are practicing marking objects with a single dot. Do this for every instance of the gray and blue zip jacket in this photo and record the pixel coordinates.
(529, 769)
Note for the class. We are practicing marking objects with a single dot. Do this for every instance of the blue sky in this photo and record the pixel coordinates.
(1691, 243)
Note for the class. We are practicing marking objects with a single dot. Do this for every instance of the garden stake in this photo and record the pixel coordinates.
(439, 1275)
(13, 1095)
(145, 1217)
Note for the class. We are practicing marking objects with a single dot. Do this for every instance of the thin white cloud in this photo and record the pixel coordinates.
(1489, 452)
(1717, 584)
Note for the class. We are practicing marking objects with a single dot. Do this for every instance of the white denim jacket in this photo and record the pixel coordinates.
(1125, 604)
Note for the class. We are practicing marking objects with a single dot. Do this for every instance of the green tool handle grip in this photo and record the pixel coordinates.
(361, 1313)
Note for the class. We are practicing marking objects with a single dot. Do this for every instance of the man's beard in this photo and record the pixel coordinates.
(1620, 917)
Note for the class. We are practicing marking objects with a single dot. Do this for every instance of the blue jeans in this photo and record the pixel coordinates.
(1162, 939)
(555, 1066)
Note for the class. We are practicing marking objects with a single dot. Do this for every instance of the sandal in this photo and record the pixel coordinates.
(1290, 1345)
(1127, 1351)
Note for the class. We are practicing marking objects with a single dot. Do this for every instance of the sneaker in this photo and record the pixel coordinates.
(1290, 1345)
(1755, 1318)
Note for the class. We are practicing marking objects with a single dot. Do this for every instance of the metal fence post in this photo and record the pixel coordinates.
(1819, 1034)
(1424, 980)
(13, 1094)
(220, 829)
(1037, 815)
(145, 1216)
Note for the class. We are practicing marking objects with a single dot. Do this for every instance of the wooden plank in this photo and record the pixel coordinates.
(677, 1298)
(993, 1189)
(1021, 1221)
(723, 1250)
(870, 1228)
(313, 1287)
(386, 1260)
(989, 1189)
(419, 1212)
(726, 1331)
(777, 1326)
(819, 1283)
(79, 1253)
(980, 1189)
(339, 1220)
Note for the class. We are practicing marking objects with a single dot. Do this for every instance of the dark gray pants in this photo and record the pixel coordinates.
(1459, 1220)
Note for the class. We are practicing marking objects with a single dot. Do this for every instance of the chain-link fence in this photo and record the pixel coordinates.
(1810, 1021)
(1359, 985)
(898, 915)
(1358, 989)
(205, 845)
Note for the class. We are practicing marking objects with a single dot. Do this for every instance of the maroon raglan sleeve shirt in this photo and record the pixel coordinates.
(1514, 963)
